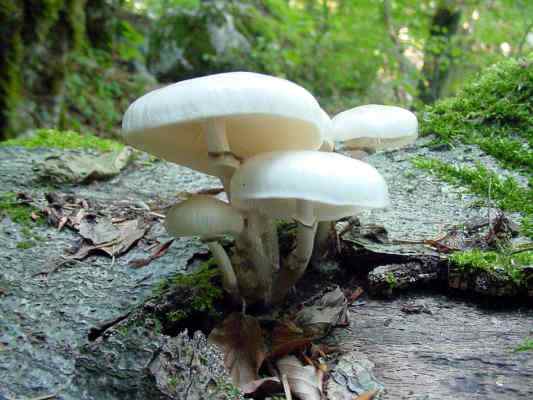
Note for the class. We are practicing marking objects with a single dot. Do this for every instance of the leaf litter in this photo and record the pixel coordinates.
(253, 347)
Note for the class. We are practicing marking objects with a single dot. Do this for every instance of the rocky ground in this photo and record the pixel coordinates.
(417, 346)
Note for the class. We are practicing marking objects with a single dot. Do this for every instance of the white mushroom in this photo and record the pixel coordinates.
(210, 123)
(308, 186)
(374, 127)
(209, 219)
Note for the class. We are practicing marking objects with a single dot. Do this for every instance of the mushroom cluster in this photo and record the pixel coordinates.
(271, 145)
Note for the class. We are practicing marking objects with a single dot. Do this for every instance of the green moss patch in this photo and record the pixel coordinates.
(21, 213)
(508, 266)
(17, 212)
(505, 192)
(495, 112)
(52, 138)
(526, 345)
(203, 288)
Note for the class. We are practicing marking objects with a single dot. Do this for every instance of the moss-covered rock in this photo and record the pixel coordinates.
(496, 104)
(495, 111)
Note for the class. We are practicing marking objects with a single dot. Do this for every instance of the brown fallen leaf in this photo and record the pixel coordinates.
(241, 339)
(286, 338)
(305, 381)
(261, 388)
(367, 395)
(129, 232)
(159, 251)
(355, 294)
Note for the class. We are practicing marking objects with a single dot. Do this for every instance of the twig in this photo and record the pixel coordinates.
(45, 397)
(521, 250)
(286, 387)
(97, 331)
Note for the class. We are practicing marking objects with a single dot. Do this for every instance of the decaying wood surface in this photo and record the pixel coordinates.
(448, 350)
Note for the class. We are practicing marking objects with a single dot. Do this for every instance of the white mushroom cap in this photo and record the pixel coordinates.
(375, 127)
(261, 114)
(335, 185)
(203, 216)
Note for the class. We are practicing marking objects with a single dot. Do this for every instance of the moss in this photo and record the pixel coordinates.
(391, 280)
(52, 138)
(494, 111)
(18, 212)
(25, 244)
(509, 266)
(526, 345)
(506, 192)
(198, 291)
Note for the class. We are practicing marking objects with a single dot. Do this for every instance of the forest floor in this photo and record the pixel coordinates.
(424, 338)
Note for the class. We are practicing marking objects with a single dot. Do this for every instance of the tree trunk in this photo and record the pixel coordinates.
(36, 39)
(437, 52)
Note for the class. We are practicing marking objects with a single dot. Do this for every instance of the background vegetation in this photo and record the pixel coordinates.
(76, 64)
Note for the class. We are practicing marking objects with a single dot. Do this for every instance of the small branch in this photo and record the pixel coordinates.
(97, 331)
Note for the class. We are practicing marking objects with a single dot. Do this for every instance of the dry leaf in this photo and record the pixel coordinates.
(367, 395)
(262, 387)
(286, 338)
(241, 339)
(159, 251)
(305, 381)
(98, 230)
(129, 232)
(354, 295)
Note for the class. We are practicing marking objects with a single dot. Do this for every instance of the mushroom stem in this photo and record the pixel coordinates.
(323, 239)
(297, 262)
(229, 279)
(261, 260)
(305, 235)
(222, 160)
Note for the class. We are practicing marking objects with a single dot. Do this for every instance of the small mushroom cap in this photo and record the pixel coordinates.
(203, 216)
(336, 185)
(262, 113)
(375, 126)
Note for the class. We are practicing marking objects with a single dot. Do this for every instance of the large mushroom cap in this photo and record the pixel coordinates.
(335, 185)
(203, 216)
(261, 113)
(375, 126)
